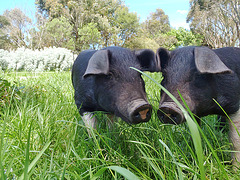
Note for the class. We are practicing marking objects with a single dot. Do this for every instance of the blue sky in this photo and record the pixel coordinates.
(28, 6)
(176, 9)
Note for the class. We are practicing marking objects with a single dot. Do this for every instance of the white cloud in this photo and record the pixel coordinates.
(182, 24)
(182, 11)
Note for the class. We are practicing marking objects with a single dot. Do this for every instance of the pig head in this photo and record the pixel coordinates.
(201, 75)
(104, 81)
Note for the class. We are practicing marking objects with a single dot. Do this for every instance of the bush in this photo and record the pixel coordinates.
(48, 59)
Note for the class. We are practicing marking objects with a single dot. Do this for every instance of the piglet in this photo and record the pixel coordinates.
(103, 81)
(202, 75)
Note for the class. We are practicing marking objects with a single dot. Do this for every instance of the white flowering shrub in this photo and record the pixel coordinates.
(3, 59)
(48, 59)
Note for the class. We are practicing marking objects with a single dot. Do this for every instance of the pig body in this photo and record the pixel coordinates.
(202, 75)
(103, 81)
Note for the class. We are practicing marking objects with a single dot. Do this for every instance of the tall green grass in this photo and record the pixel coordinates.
(43, 137)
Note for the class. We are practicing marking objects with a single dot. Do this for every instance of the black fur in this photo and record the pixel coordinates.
(180, 73)
(111, 92)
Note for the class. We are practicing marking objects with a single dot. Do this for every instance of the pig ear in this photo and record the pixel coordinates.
(162, 57)
(208, 62)
(98, 63)
(147, 60)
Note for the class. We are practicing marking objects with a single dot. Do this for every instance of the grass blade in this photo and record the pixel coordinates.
(2, 175)
(171, 154)
(206, 140)
(156, 169)
(25, 174)
(33, 163)
(123, 171)
(99, 173)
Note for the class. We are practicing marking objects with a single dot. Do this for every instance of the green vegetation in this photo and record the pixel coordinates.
(93, 24)
(218, 21)
(43, 137)
(79, 24)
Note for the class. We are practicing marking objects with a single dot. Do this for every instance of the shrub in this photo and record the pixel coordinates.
(48, 59)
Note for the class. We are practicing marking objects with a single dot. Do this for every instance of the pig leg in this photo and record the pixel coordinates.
(234, 132)
(90, 121)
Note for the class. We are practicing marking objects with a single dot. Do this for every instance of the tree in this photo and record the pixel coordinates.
(38, 33)
(128, 24)
(217, 20)
(142, 40)
(153, 33)
(52, 8)
(185, 38)
(19, 27)
(4, 39)
(109, 18)
(59, 33)
(90, 37)
(157, 22)
(41, 5)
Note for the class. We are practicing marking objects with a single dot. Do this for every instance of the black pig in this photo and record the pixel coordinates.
(104, 81)
(201, 75)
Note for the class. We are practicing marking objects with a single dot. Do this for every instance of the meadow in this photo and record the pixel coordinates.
(42, 136)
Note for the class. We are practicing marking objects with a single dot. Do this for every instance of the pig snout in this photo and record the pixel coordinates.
(139, 111)
(169, 113)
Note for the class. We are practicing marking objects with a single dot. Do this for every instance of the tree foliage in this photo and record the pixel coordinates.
(217, 20)
(157, 22)
(4, 39)
(156, 32)
(88, 24)
(185, 38)
(89, 35)
(58, 33)
(153, 31)
(18, 27)
(111, 21)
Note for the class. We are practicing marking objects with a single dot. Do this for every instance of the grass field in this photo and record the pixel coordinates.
(43, 137)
